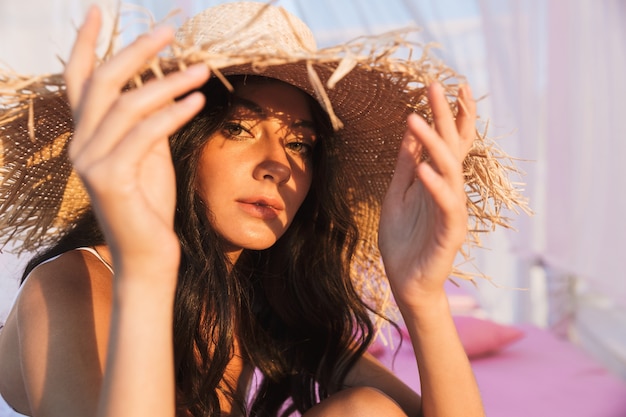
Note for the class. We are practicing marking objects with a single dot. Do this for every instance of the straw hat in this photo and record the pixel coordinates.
(364, 87)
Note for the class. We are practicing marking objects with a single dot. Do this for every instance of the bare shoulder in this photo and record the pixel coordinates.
(73, 281)
(67, 298)
(62, 321)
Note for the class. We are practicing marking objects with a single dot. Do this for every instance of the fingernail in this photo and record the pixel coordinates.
(161, 31)
(414, 118)
(466, 90)
(90, 10)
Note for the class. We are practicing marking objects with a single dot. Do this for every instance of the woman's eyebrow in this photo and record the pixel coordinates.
(248, 105)
(307, 124)
(255, 108)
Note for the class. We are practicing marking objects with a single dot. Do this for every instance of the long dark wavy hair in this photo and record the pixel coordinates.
(290, 311)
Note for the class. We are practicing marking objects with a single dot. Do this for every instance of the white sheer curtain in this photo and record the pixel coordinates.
(586, 227)
(557, 75)
(553, 76)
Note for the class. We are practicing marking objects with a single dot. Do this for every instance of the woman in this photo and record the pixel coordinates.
(237, 230)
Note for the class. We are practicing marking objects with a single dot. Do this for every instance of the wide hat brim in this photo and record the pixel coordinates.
(367, 96)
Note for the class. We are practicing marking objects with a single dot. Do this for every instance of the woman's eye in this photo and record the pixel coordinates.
(302, 148)
(236, 130)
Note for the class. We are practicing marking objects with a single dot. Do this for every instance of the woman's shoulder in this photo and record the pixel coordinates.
(67, 283)
(72, 271)
(60, 317)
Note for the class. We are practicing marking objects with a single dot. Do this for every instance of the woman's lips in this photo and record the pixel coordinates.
(259, 209)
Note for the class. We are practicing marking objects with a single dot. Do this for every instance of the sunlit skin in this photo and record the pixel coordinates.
(91, 343)
(255, 172)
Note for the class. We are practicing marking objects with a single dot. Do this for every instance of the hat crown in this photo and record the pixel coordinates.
(249, 28)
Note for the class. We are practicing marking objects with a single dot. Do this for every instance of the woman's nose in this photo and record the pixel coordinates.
(274, 164)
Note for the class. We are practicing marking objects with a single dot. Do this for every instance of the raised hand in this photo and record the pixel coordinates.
(424, 215)
(120, 146)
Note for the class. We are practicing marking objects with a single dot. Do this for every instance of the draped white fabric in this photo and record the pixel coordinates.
(552, 73)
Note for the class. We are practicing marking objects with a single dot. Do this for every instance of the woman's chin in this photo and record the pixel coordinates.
(256, 242)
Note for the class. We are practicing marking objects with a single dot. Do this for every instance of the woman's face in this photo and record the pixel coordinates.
(255, 172)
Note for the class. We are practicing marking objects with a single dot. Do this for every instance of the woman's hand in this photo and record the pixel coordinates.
(120, 150)
(120, 146)
(424, 215)
(422, 227)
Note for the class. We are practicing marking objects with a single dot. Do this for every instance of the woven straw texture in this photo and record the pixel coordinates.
(364, 86)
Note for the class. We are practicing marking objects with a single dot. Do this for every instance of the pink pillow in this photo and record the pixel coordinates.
(482, 337)
(479, 337)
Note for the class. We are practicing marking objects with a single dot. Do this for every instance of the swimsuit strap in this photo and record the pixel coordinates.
(93, 251)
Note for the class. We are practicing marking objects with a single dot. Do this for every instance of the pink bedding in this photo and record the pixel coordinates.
(538, 375)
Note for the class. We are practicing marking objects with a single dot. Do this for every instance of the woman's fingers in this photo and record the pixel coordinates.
(121, 134)
(140, 166)
(107, 80)
(158, 125)
(82, 58)
(405, 171)
(442, 156)
(116, 72)
(466, 119)
(445, 196)
(447, 143)
(459, 134)
(98, 90)
(443, 153)
(135, 107)
(442, 115)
